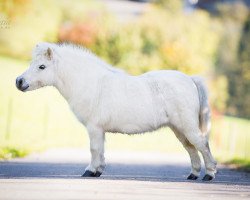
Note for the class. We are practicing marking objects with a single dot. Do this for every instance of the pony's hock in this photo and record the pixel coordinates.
(106, 99)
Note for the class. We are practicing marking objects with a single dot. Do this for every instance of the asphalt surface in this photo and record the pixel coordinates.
(56, 174)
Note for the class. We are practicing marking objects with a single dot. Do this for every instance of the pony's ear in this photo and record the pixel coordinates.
(49, 54)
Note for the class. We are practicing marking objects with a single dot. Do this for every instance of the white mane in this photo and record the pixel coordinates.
(80, 52)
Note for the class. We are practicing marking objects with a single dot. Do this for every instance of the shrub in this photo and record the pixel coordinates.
(29, 27)
(184, 42)
(232, 59)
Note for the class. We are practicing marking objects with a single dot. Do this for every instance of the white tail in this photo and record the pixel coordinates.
(204, 114)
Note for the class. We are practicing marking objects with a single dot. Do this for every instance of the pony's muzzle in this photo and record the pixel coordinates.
(21, 84)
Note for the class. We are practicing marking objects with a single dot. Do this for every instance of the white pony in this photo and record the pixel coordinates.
(106, 99)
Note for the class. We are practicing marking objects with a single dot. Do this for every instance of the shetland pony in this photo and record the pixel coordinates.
(106, 99)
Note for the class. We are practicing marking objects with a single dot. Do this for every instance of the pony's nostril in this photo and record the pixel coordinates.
(19, 82)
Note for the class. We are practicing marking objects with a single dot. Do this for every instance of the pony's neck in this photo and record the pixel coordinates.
(79, 73)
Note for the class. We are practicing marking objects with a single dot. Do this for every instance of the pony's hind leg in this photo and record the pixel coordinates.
(195, 161)
(193, 153)
(210, 165)
(200, 142)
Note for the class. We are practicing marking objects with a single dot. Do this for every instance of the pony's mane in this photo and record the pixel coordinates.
(76, 48)
(83, 51)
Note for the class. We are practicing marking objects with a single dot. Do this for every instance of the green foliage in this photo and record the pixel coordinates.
(239, 78)
(233, 57)
(9, 152)
(226, 11)
(29, 27)
(219, 93)
(150, 43)
(13, 8)
(239, 163)
(33, 21)
(170, 5)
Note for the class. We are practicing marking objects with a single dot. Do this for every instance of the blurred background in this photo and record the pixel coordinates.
(210, 38)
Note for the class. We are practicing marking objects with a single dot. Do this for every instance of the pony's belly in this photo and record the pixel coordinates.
(136, 126)
(134, 129)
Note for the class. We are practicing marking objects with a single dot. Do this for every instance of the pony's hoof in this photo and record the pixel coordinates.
(207, 177)
(88, 173)
(192, 177)
(98, 174)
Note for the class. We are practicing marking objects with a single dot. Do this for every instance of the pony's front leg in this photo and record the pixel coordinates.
(97, 165)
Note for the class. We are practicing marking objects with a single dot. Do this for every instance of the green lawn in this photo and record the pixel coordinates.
(41, 119)
(230, 140)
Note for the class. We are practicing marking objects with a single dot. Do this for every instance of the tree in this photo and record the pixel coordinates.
(239, 78)
(233, 56)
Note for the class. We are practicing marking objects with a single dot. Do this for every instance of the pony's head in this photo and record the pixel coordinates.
(41, 71)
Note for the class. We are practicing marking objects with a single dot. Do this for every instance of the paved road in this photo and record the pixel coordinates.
(55, 174)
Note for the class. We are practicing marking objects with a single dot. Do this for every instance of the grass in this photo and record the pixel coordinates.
(41, 119)
(230, 137)
(239, 164)
(8, 152)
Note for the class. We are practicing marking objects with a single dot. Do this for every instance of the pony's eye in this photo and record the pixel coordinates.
(42, 67)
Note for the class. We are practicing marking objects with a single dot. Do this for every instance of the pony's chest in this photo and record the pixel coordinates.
(81, 111)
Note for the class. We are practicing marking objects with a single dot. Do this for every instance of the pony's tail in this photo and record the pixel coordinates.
(204, 114)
